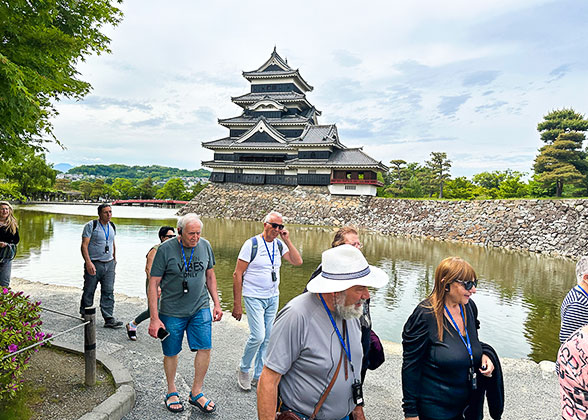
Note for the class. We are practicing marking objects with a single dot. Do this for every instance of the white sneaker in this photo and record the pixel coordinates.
(243, 380)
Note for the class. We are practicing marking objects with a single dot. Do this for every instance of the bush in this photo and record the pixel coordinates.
(20, 327)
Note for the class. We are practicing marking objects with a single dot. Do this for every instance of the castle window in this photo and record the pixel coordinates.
(239, 170)
(312, 171)
(350, 187)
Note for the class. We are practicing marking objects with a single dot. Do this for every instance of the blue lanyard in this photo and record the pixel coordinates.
(346, 348)
(272, 258)
(583, 291)
(468, 344)
(184, 255)
(104, 230)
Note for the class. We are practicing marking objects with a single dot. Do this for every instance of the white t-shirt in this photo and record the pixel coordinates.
(257, 279)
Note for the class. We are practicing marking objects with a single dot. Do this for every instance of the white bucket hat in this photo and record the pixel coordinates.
(343, 267)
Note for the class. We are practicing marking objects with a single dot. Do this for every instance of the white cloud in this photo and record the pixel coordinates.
(403, 79)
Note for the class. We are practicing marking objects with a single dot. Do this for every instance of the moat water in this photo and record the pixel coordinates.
(519, 294)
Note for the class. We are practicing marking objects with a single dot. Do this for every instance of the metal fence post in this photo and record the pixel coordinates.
(90, 345)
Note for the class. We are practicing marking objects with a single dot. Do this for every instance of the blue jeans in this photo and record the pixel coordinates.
(5, 270)
(105, 276)
(260, 316)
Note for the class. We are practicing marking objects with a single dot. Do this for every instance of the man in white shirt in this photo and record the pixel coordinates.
(256, 279)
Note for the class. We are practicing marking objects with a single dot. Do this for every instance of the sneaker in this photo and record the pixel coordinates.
(112, 323)
(254, 382)
(243, 380)
(131, 331)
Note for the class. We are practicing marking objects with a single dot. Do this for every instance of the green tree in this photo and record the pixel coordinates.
(41, 43)
(63, 184)
(561, 121)
(439, 166)
(397, 177)
(31, 172)
(86, 189)
(173, 189)
(145, 189)
(562, 162)
(461, 188)
(123, 188)
(413, 188)
(513, 187)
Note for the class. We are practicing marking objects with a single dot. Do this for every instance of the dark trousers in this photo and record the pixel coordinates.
(105, 276)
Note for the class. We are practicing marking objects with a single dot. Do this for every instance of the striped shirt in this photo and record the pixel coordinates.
(574, 312)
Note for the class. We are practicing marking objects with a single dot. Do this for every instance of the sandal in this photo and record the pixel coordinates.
(174, 403)
(131, 332)
(204, 408)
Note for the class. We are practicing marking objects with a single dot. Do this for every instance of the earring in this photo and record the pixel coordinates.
(447, 288)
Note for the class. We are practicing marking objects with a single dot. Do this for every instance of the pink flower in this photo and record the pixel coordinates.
(12, 348)
(4, 291)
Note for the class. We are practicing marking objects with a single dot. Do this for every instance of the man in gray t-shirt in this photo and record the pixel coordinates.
(316, 341)
(99, 254)
(184, 269)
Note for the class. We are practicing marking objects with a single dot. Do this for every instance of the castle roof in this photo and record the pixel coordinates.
(275, 68)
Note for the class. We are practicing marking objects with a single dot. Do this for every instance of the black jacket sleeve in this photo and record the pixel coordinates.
(415, 344)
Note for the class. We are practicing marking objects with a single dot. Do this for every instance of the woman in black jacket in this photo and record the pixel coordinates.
(442, 355)
(8, 240)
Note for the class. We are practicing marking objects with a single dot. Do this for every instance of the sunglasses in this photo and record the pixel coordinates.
(169, 236)
(467, 284)
(276, 225)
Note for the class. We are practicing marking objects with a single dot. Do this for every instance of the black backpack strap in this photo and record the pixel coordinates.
(95, 224)
(253, 249)
(280, 247)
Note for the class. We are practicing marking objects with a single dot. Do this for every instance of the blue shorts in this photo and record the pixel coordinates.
(198, 329)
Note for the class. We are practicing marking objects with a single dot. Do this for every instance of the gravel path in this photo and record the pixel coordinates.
(530, 392)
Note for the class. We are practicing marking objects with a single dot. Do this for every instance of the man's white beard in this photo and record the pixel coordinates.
(347, 312)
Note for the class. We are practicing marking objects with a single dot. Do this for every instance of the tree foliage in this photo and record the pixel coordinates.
(155, 172)
(439, 166)
(561, 121)
(562, 161)
(41, 43)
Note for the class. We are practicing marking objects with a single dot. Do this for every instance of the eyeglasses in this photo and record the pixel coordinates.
(169, 236)
(467, 284)
(276, 225)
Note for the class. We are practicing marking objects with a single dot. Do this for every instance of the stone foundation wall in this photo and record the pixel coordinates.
(556, 227)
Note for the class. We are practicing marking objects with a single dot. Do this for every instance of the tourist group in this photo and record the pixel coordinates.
(309, 360)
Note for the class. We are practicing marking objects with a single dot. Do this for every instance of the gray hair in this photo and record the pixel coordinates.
(188, 218)
(581, 268)
(270, 214)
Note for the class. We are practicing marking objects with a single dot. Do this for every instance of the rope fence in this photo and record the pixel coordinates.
(89, 324)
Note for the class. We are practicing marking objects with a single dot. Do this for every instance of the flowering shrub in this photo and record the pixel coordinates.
(20, 327)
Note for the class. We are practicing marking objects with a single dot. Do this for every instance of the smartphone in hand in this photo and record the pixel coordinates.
(162, 334)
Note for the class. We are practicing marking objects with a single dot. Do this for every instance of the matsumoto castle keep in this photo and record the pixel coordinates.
(277, 139)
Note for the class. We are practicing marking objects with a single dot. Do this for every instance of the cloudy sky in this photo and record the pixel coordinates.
(402, 79)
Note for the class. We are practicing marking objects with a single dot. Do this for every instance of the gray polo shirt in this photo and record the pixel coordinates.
(98, 241)
(305, 350)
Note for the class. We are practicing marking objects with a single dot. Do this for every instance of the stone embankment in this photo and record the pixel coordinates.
(554, 227)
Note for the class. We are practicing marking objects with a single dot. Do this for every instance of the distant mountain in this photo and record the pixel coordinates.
(156, 172)
(63, 167)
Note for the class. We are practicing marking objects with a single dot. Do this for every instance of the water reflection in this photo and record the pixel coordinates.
(519, 294)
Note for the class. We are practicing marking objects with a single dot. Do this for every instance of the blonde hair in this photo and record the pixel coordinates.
(448, 270)
(339, 238)
(11, 222)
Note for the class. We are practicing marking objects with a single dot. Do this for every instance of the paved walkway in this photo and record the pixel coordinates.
(530, 393)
